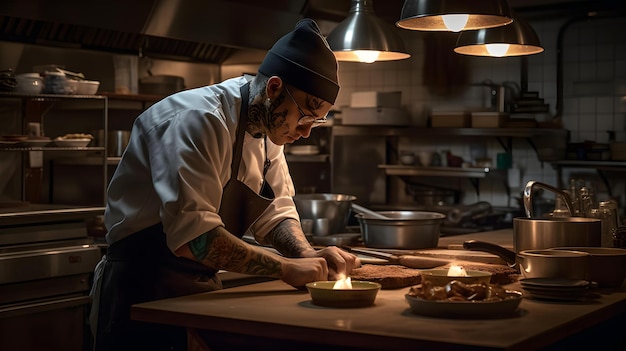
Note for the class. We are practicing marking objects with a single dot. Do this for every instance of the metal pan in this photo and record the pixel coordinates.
(540, 263)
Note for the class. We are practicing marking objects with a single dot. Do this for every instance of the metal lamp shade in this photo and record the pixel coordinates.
(427, 15)
(362, 30)
(520, 36)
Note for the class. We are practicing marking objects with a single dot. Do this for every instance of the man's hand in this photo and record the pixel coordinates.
(340, 262)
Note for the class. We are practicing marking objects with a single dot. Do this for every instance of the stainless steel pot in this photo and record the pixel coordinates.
(607, 265)
(545, 263)
(336, 207)
(403, 229)
(538, 234)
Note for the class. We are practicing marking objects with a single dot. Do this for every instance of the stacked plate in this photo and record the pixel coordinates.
(557, 288)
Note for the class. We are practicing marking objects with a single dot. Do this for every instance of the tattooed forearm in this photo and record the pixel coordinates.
(289, 239)
(221, 250)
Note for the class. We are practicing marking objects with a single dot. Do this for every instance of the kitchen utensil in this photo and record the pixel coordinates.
(404, 229)
(440, 277)
(528, 197)
(607, 265)
(335, 207)
(362, 294)
(470, 309)
(368, 212)
(411, 261)
(540, 263)
(537, 234)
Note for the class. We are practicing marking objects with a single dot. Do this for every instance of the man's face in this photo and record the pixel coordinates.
(293, 114)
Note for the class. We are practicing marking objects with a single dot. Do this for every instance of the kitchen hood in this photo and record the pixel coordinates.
(212, 31)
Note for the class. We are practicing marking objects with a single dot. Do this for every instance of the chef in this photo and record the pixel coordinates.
(204, 167)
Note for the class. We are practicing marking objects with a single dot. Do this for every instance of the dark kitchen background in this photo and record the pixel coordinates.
(579, 80)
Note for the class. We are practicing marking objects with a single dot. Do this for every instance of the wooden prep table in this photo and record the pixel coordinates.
(273, 315)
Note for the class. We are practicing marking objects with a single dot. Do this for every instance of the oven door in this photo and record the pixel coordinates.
(44, 296)
(58, 323)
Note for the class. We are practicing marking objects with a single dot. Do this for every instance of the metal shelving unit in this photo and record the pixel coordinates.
(36, 166)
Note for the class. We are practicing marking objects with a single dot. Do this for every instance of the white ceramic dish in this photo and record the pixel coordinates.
(72, 142)
(489, 309)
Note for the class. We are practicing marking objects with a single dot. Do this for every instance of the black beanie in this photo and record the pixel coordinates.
(303, 59)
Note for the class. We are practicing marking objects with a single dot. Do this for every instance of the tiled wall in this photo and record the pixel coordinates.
(594, 89)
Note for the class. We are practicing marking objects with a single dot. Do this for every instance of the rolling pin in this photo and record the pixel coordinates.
(410, 261)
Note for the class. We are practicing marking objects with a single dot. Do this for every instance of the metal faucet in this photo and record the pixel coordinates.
(528, 191)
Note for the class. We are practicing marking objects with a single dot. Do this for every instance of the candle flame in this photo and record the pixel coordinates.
(456, 271)
(343, 283)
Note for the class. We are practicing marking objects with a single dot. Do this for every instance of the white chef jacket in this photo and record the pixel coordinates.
(178, 161)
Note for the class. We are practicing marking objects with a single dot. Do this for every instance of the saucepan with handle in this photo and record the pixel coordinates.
(532, 239)
(539, 263)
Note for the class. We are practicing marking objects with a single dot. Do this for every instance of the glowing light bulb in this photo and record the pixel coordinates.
(455, 23)
(367, 56)
(497, 50)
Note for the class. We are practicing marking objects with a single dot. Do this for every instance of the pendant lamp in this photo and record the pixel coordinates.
(453, 15)
(515, 39)
(363, 37)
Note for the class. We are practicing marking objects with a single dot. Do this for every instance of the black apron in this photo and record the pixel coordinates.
(142, 268)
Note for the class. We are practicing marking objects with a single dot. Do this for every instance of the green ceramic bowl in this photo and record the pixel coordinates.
(362, 294)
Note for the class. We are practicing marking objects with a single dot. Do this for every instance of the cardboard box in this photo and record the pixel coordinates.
(489, 119)
(450, 119)
(376, 99)
(385, 116)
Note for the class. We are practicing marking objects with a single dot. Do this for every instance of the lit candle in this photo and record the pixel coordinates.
(343, 283)
(457, 271)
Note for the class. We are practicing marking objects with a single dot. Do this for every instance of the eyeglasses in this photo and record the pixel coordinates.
(306, 120)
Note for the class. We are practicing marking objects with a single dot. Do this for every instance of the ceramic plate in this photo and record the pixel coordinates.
(466, 308)
(556, 289)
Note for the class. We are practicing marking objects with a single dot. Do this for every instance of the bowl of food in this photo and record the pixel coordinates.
(73, 140)
(443, 276)
(335, 293)
(456, 299)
